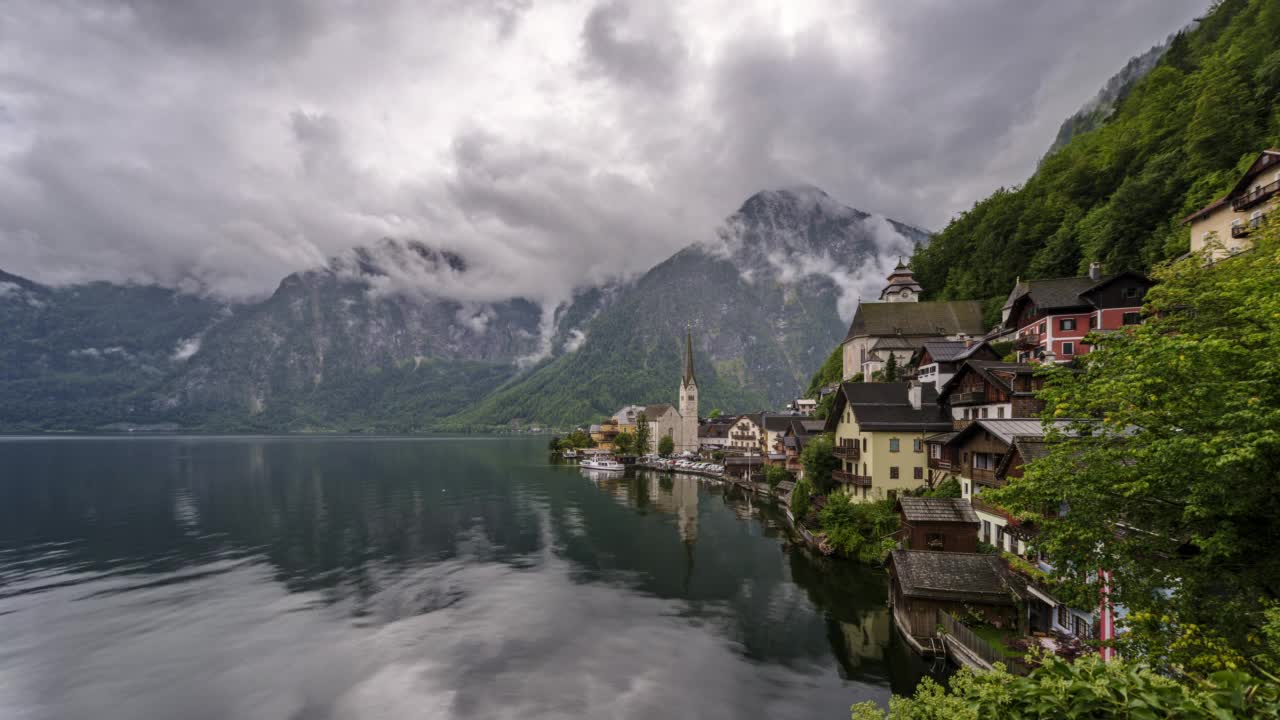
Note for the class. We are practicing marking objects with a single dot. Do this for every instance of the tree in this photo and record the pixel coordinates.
(554, 443)
(624, 443)
(800, 499)
(641, 445)
(890, 371)
(860, 530)
(666, 445)
(819, 460)
(1172, 484)
(715, 414)
(1086, 688)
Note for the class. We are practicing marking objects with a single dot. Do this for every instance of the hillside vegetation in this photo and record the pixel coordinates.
(1180, 138)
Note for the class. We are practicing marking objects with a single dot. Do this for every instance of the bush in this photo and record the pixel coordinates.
(859, 530)
(774, 475)
(666, 445)
(819, 462)
(949, 488)
(1086, 688)
(800, 498)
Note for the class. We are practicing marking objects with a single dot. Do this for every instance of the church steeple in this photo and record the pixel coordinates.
(902, 285)
(688, 358)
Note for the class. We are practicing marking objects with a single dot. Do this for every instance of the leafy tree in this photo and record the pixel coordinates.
(819, 460)
(717, 455)
(624, 443)
(1086, 688)
(774, 474)
(861, 530)
(641, 444)
(800, 499)
(554, 443)
(831, 371)
(715, 414)
(666, 445)
(823, 410)
(1173, 485)
(949, 488)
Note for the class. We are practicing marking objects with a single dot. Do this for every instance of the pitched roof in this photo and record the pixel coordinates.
(653, 412)
(951, 317)
(1007, 429)
(885, 406)
(933, 510)
(895, 343)
(997, 372)
(688, 378)
(959, 577)
(1265, 159)
(777, 423)
(1053, 293)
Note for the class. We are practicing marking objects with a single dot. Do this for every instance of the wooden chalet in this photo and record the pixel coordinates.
(992, 389)
(938, 524)
(923, 584)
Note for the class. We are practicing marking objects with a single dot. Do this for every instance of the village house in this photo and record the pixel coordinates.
(1050, 318)
(1229, 219)
(626, 417)
(771, 439)
(936, 361)
(900, 323)
(804, 405)
(745, 434)
(793, 440)
(603, 434)
(938, 524)
(713, 434)
(992, 389)
(879, 436)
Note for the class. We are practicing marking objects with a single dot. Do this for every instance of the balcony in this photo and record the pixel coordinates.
(846, 451)
(1243, 229)
(841, 476)
(1028, 341)
(972, 397)
(985, 477)
(747, 437)
(940, 464)
(1249, 199)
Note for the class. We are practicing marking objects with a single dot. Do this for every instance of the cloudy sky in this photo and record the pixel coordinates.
(224, 143)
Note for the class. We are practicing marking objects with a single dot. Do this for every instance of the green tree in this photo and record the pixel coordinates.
(666, 445)
(865, 531)
(624, 443)
(1086, 688)
(890, 371)
(715, 414)
(554, 443)
(819, 460)
(1172, 485)
(800, 499)
(641, 444)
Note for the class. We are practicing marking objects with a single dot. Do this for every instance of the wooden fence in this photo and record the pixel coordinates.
(979, 647)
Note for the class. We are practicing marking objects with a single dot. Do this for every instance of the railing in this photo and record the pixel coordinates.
(1030, 340)
(841, 476)
(1250, 199)
(744, 436)
(960, 633)
(1239, 231)
(984, 476)
(846, 451)
(939, 464)
(972, 397)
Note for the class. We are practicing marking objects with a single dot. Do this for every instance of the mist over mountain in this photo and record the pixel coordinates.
(376, 340)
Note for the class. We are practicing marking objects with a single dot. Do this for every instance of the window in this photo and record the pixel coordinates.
(966, 488)
(1000, 536)
(893, 444)
(934, 541)
(1081, 630)
(1064, 618)
(1068, 348)
(864, 444)
(1093, 322)
(1000, 411)
(1133, 293)
(1041, 329)
(983, 461)
(918, 473)
(983, 412)
(893, 472)
(935, 450)
(1132, 318)
(986, 530)
(1067, 324)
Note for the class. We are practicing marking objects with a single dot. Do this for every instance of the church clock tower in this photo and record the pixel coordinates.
(687, 439)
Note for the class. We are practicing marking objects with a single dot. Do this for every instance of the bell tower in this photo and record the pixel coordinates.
(687, 440)
(902, 285)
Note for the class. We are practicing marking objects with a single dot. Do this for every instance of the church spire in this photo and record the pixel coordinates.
(688, 357)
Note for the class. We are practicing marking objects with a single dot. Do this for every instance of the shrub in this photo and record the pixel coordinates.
(800, 498)
(774, 475)
(860, 530)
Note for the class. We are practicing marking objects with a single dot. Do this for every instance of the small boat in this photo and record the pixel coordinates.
(602, 464)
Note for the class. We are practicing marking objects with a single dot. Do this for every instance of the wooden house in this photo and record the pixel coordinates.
(923, 583)
(938, 524)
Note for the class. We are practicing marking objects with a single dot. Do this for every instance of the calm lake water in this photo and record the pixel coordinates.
(398, 578)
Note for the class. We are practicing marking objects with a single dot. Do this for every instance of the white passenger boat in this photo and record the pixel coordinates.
(602, 464)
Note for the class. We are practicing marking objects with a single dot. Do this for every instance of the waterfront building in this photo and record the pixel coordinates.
(1231, 218)
(745, 433)
(1050, 318)
(938, 524)
(879, 436)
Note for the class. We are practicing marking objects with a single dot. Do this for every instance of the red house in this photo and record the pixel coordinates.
(1053, 316)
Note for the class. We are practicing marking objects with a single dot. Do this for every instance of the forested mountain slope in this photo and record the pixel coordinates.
(1179, 138)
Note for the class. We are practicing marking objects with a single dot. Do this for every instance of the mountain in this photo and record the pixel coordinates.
(1115, 194)
(762, 300)
(376, 340)
(1100, 107)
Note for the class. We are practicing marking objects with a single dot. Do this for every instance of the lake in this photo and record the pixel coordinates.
(358, 577)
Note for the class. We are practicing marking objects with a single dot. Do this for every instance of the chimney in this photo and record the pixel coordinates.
(1095, 271)
(913, 395)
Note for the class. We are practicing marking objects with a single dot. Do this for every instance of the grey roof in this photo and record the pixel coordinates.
(952, 350)
(743, 460)
(943, 438)
(994, 371)
(653, 412)
(1006, 430)
(895, 343)
(917, 318)
(885, 406)
(777, 423)
(959, 577)
(1052, 294)
(688, 378)
(934, 510)
(1031, 448)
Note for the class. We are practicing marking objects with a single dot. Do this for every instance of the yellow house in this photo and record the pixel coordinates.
(1231, 218)
(879, 433)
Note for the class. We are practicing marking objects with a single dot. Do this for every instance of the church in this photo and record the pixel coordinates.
(899, 323)
(681, 423)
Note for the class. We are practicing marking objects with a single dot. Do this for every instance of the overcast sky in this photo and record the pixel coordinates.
(226, 143)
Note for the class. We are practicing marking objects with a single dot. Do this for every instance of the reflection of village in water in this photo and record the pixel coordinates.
(856, 611)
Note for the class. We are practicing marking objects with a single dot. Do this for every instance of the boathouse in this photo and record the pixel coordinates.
(938, 524)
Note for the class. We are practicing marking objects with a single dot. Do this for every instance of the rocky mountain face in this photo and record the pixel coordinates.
(762, 300)
(373, 340)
